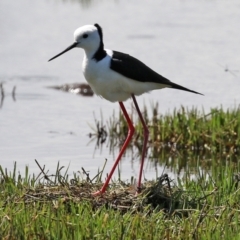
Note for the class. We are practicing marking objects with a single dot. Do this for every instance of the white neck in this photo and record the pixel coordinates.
(90, 51)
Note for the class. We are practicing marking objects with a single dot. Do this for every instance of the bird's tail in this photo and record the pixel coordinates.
(176, 86)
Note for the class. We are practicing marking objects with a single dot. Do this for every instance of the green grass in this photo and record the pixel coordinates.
(185, 129)
(205, 208)
(201, 204)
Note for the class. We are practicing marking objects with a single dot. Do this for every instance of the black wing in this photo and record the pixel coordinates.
(131, 67)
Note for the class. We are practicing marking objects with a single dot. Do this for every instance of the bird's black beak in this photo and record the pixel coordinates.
(66, 50)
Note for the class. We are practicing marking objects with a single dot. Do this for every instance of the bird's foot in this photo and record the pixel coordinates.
(98, 193)
(139, 190)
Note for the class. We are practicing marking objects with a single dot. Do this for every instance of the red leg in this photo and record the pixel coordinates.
(146, 133)
(130, 134)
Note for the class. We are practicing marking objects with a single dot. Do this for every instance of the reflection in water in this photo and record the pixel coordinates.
(192, 141)
(3, 94)
(77, 88)
(84, 3)
(13, 93)
(99, 134)
(177, 161)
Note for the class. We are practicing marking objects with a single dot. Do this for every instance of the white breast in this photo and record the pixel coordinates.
(110, 84)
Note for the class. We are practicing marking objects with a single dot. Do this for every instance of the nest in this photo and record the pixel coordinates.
(119, 196)
(160, 195)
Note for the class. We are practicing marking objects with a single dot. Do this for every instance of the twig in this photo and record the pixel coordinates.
(87, 174)
(42, 170)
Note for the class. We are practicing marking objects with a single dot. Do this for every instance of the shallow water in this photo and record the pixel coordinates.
(193, 43)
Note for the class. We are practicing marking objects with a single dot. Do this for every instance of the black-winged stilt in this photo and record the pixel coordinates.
(116, 77)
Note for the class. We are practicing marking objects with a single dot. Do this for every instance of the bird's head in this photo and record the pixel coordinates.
(88, 37)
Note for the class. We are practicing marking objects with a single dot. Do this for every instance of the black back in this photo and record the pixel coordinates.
(132, 68)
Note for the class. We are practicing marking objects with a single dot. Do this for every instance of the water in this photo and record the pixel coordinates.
(189, 42)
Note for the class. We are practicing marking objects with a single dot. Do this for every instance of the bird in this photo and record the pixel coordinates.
(116, 77)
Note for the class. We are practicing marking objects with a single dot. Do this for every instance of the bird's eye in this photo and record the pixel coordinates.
(85, 35)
